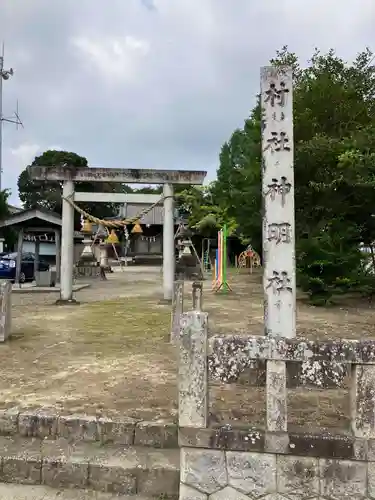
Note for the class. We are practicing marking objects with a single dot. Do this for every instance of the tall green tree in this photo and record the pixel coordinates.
(7, 233)
(48, 194)
(334, 113)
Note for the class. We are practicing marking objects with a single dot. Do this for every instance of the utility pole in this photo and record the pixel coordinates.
(5, 75)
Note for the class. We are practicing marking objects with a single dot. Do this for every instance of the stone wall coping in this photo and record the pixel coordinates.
(230, 355)
(251, 439)
(298, 350)
(45, 424)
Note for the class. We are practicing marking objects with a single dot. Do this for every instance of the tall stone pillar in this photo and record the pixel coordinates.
(279, 278)
(168, 243)
(67, 247)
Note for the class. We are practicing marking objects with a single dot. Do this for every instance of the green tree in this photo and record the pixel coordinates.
(48, 195)
(6, 232)
(204, 216)
(334, 112)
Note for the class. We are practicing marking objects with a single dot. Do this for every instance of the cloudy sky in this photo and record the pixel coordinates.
(152, 83)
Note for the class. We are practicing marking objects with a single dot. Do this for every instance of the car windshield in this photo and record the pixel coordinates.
(13, 256)
(10, 256)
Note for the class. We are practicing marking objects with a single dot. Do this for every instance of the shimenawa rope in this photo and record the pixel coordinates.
(111, 223)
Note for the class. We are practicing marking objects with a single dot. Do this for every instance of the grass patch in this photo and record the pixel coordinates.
(129, 323)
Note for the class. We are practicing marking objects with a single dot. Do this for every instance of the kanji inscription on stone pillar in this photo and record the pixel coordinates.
(279, 279)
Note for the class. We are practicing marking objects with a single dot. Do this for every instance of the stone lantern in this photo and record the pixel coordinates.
(87, 265)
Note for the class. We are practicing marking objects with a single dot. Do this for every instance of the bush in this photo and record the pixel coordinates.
(328, 266)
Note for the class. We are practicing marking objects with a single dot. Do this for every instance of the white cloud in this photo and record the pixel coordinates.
(161, 86)
(116, 59)
(25, 153)
(16, 160)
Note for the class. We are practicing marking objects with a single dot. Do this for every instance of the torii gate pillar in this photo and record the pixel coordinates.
(67, 247)
(169, 261)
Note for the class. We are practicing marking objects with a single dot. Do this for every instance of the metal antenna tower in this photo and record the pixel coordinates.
(5, 75)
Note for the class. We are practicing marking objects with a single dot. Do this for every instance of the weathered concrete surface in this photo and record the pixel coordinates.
(215, 475)
(279, 266)
(363, 401)
(192, 366)
(177, 309)
(21, 492)
(123, 175)
(5, 310)
(84, 428)
(58, 463)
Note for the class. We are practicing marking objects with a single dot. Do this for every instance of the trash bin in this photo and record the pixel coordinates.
(45, 278)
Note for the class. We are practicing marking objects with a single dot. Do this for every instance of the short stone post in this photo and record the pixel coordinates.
(5, 310)
(278, 229)
(197, 293)
(192, 370)
(362, 401)
(177, 309)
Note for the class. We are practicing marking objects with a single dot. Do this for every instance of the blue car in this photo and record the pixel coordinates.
(8, 266)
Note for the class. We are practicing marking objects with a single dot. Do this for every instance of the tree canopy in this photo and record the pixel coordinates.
(48, 195)
(334, 131)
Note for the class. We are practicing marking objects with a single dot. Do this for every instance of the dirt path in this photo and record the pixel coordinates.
(110, 355)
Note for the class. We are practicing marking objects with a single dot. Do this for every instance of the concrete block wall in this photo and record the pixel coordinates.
(223, 463)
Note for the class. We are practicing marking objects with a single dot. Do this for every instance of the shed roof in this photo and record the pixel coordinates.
(34, 217)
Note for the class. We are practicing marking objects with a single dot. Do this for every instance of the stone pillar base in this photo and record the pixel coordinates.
(165, 302)
(88, 271)
(67, 302)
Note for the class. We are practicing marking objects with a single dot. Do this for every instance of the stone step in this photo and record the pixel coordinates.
(114, 469)
(24, 492)
(121, 430)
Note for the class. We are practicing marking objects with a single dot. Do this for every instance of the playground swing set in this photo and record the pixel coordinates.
(220, 281)
(249, 259)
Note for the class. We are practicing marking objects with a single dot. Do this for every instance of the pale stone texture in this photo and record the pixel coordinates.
(192, 377)
(39, 424)
(279, 281)
(21, 492)
(371, 479)
(158, 482)
(252, 473)
(63, 474)
(298, 476)
(112, 479)
(197, 296)
(276, 396)
(78, 427)
(203, 469)
(187, 493)
(9, 421)
(277, 496)
(363, 401)
(116, 431)
(157, 434)
(228, 494)
(177, 309)
(5, 310)
(340, 479)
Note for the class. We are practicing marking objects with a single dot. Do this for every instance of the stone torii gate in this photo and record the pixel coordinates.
(69, 175)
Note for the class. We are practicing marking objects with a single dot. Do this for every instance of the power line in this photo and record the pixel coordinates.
(5, 75)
